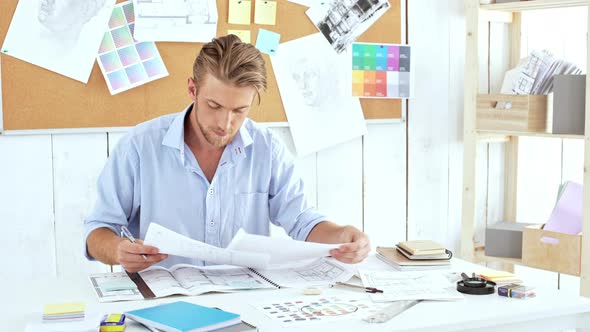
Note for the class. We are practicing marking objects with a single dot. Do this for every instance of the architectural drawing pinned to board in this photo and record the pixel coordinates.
(173, 20)
(342, 21)
(125, 62)
(314, 83)
(382, 71)
(61, 36)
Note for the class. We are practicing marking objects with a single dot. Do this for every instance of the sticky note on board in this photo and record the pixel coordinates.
(243, 34)
(265, 12)
(239, 11)
(267, 41)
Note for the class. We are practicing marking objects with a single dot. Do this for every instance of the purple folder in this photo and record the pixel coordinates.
(566, 216)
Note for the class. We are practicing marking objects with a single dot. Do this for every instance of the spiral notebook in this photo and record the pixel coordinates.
(184, 279)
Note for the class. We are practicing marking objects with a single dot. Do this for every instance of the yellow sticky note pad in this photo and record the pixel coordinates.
(239, 11)
(64, 308)
(243, 34)
(265, 12)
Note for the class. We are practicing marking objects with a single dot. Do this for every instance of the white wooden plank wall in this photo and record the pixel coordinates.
(26, 211)
(77, 162)
(428, 117)
(455, 119)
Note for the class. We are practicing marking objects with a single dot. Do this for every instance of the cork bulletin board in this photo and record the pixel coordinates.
(36, 98)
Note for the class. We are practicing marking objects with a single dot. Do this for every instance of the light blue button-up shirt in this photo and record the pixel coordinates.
(152, 176)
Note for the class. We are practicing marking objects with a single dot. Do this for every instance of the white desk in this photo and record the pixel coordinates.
(549, 311)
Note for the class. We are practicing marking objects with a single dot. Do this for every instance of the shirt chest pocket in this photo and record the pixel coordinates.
(251, 212)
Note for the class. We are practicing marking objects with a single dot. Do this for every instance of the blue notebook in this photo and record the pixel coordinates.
(184, 317)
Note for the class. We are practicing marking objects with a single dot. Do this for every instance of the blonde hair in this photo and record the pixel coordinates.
(231, 61)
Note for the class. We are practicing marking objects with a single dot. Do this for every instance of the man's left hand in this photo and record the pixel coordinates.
(355, 247)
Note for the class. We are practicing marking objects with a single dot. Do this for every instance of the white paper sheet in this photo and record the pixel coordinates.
(400, 286)
(61, 36)
(321, 271)
(280, 250)
(99, 279)
(339, 31)
(172, 243)
(314, 83)
(175, 20)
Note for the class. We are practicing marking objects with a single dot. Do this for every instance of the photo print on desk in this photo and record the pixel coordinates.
(342, 21)
(314, 83)
(125, 62)
(382, 71)
(58, 35)
(307, 311)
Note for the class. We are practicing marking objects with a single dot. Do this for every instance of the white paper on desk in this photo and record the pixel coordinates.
(322, 271)
(400, 286)
(173, 20)
(90, 323)
(280, 250)
(172, 243)
(61, 36)
(99, 279)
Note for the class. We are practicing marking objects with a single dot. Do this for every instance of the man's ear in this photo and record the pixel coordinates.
(192, 88)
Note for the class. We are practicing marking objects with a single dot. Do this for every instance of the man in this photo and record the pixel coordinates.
(207, 172)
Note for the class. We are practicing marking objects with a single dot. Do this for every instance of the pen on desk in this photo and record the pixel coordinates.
(366, 289)
(126, 233)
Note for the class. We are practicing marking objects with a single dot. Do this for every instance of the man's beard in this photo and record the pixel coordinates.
(212, 138)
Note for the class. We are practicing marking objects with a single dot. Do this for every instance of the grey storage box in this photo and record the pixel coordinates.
(569, 93)
(504, 239)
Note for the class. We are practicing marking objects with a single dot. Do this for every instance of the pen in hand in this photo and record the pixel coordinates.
(126, 233)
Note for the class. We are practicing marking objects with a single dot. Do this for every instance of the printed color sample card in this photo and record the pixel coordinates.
(124, 62)
(381, 71)
(310, 310)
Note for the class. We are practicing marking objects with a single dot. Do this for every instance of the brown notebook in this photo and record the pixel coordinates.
(392, 255)
(422, 247)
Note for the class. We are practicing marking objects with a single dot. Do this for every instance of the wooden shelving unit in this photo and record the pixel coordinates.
(510, 13)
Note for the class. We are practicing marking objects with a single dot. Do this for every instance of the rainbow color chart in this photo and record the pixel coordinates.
(381, 71)
(310, 310)
(125, 62)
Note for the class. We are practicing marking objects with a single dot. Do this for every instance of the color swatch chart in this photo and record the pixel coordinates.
(124, 62)
(309, 310)
(381, 71)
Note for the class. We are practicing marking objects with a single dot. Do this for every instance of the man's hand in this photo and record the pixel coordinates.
(356, 246)
(129, 255)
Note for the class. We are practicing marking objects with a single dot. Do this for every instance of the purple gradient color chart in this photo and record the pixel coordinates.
(118, 80)
(136, 74)
(124, 62)
(128, 56)
(129, 12)
(122, 37)
(155, 67)
(110, 62)
(146, 50)
(107, 44)
(117, 18)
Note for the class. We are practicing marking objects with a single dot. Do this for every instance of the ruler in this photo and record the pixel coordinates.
(390, 311)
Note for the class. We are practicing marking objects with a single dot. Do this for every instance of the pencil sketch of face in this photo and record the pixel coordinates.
(67, 17)
(307, 76)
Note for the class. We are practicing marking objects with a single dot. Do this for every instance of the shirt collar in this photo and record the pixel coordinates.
(174, 137)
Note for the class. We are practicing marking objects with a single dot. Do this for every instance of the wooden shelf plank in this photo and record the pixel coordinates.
(492, 135)
(518, 6)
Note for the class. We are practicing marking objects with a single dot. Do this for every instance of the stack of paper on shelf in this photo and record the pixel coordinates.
(395, 258)
(501, 278)
(62, 312)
